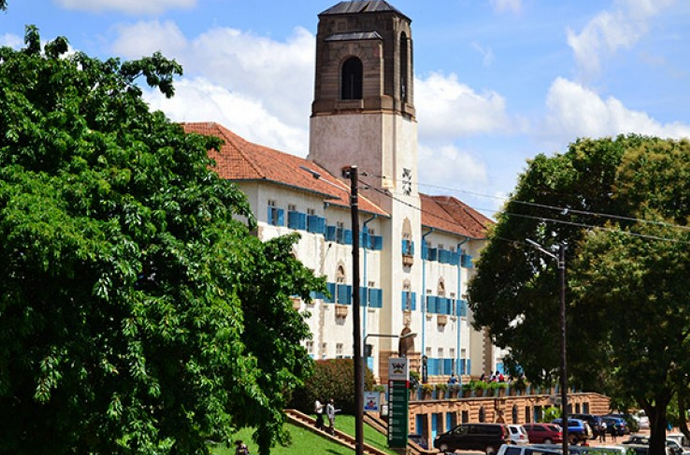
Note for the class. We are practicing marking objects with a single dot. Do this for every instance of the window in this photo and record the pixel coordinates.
(404, 56)
(276, 216)
(351, 83)
(339, 349)
(310, 347)
(292, 208)
(324, 350)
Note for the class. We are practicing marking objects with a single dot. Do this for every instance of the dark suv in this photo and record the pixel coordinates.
(474, 436)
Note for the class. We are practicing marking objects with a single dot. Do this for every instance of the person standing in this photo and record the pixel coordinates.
(318, 409)
(330, 413)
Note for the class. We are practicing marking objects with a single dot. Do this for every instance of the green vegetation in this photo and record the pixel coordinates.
(138, 315)
(621, 207)
(306, 442)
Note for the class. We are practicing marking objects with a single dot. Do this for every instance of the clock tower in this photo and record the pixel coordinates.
(363, 114)
(363, 111)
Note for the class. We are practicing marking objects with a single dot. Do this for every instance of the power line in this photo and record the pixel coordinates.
(564, 210)
(544, 219)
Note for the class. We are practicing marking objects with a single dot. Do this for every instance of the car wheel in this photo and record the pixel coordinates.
(572, 439)
(548, 441)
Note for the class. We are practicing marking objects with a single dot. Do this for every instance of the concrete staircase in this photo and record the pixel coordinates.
(309, 423)
(305, 421)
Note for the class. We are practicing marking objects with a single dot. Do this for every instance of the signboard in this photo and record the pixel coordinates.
(398, 402)
(398, 369)
(371, 401)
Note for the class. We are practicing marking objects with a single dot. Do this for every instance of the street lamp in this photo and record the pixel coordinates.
(560, 260)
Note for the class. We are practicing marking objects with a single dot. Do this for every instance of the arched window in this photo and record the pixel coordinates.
(404, 57)
(482, 414)
(515, 414)
(351, 88)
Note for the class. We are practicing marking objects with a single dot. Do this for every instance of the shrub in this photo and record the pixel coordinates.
(332, 378)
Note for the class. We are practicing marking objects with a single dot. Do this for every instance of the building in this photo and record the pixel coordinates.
(417, 250)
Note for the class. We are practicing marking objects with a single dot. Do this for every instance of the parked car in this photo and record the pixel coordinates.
(518, 435)
(487, 437)
(616, 426)
(672, 446)
(680, 439)
(595, 422)
(543, 433)
(525, 450)
(419, 440)
(578, 430)
(589, 450)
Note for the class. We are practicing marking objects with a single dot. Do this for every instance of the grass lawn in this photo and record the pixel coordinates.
(306, 442)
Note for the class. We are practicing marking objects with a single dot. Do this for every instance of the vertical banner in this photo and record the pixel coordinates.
(398, 402)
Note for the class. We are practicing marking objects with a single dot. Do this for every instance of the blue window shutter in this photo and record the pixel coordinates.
(281, 217)
(376, 298)
(404, 246)
(330, 233)
(331, 291)
(469, 366)
(414, 301)
(316, 224)
(348, 294)
(412, 248)
(403, 300)
(269, 217)
(431, 304)
(342, 294)
(363, 294)
(296, 220)
(347, 237)
(377, 243)
(455, 259)
(425, 252)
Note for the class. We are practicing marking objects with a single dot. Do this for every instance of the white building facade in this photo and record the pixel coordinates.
(416, 250)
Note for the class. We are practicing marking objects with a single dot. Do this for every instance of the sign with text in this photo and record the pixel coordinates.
(398, 402)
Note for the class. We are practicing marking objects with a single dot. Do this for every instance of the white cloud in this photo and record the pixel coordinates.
(449, 167)
(10, 40)
(198, 100)
(280, 74)
(506, 5)
(127, 6)
(576, 111)
(609, 31)
(447, 108)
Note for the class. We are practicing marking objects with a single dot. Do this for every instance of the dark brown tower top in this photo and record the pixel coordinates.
(363, 60)
(362, 6)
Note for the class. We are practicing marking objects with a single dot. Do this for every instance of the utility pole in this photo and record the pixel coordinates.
(357, 344)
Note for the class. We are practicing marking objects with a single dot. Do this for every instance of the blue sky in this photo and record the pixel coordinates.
(496, 81)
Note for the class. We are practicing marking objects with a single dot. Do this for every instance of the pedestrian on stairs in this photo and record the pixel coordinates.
(318, 409)
(330, 412)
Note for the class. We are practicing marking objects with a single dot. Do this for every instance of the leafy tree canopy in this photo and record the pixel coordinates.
(137, 314)
(621, 206)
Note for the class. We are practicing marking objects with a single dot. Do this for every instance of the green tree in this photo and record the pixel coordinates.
(627, 295)
(137, 312)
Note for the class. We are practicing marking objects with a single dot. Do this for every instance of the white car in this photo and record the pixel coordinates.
(518, 435)
(525, 450)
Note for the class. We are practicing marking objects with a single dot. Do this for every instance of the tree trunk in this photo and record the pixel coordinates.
(657, 423)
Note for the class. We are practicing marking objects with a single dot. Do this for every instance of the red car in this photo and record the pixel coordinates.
(543, 433)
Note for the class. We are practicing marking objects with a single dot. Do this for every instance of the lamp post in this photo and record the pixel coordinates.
(560, 260)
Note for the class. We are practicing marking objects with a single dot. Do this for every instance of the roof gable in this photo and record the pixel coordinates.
(449, 214)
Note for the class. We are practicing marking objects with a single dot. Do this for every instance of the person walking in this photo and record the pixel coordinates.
(318, 410)
(330, 413)
(602, 431)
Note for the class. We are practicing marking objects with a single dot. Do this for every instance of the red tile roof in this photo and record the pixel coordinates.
(239, 160)
(449, 214)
